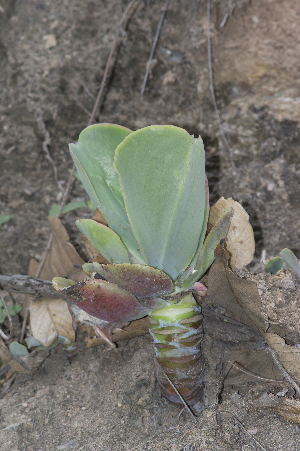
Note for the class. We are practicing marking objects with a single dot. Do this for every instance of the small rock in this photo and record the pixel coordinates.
(50, 41)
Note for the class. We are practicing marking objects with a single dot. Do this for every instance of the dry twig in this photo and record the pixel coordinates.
(154, 45)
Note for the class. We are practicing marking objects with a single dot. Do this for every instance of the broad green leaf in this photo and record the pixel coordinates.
(162, 177)
(140, 280)
(68, 207)
(291, 260)
(206, 254)
(274, 265)
(93, 157)
(5, 218)
(104, 240)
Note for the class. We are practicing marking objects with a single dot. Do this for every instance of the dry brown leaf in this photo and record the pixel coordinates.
(248, 365)
(288, 355)
(240, 238)
(135, 328)
(51, 317)
(289, 409)
(62, 256)
(239, 297)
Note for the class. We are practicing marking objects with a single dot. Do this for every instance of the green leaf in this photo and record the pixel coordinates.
(18, 350)
(68, 207)
(291, 260)
(162, 176)
(13, 310)
(3, 315)
(274, 265)
(104, 240)
(206, 254)
(91, 205)
(5, 218)
(93, 157)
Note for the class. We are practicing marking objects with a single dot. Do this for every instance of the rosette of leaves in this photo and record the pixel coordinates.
(151, 188)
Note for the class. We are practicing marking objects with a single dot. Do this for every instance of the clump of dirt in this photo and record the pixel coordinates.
(52, 59)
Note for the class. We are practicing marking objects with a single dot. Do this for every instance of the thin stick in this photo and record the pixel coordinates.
(123, 23)
(283, 370)
(11, 329)
(211, 85)
(154, 45)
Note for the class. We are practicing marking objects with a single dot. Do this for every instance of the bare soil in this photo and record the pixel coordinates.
(52, 59)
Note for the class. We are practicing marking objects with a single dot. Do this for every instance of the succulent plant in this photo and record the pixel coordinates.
(287, 259)
(151, 188)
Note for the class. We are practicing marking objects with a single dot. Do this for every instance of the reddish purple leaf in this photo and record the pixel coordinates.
(140, 280)
(105, 300)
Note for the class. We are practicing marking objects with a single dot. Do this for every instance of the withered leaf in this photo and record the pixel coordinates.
(62, 256)
(288, 355)
(136, 328)
(51, 317)
(239, 241)
(239, 297)
(248, 365)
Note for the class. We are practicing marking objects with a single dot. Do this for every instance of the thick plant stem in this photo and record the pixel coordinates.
(177, 331)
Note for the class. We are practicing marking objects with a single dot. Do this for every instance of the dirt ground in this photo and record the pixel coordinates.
(52, 59)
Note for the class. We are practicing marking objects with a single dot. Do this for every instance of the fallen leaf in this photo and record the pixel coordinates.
(239, 297)
(62, 256)
(239, 241)
(136, 328)
(51, 317)
(288, 355)
(250, 365)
